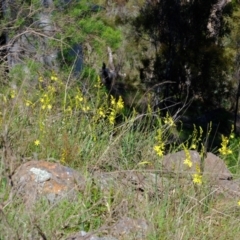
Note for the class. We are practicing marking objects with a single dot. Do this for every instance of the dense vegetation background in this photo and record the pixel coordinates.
(184, 55)
(171, 83)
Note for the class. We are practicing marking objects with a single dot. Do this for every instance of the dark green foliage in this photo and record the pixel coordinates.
(186, 51)
(81, 24)
(84, 24)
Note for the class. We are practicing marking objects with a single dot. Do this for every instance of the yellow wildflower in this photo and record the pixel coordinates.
(120, 104)
(54, 78)
(188, 162)
(113, 101)
(193, 146)
(99, 83)
(40, 79)
(197, 178)
(13, 94)
(169, 121)
(224, 150)
(239, 203)
(51, 89)
(159, 149)
(28, 103)
(101, 112)
(112, 117)
(85, 109)
(79, 98)
(198, 169)
(37, 142)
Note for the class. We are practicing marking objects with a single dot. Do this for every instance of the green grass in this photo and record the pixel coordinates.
(85, 140)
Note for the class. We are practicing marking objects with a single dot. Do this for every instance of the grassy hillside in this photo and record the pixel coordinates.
(52, 115)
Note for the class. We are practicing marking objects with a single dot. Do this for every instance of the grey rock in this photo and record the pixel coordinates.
(82, 235)
(214, 168)
(137, 228)
(36, 179)
(124, 228)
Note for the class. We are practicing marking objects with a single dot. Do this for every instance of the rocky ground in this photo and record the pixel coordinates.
(34, 180)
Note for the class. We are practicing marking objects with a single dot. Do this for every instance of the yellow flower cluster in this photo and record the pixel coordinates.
(28, 103)
(81, 102)
(46, 98)
(78, 98)
(101, 112)
(187, 161)
(224, 150)
(117, 105)
(99, 83)
(197, 177)
(160, 147)
(54, 77)
(168, 120)
(85, 108)
(12, 93)
(116, 108)
(40, 79)
(196, 138)
(46, 102)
